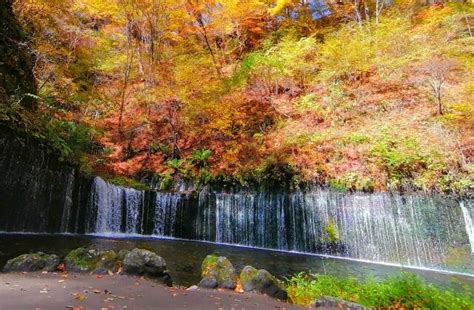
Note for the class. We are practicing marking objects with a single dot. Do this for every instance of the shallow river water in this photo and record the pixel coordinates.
(184, 257)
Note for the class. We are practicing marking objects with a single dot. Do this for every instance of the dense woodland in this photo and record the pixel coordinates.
(357, 94)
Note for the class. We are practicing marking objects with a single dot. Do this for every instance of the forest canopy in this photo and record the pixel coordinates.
(357, 94)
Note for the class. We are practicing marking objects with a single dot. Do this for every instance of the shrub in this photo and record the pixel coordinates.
(403, 158)
(127, 182)
(402, 291)
(71, 139)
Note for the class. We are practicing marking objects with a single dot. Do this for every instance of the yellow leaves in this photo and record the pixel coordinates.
(97, 8)
(280, 5)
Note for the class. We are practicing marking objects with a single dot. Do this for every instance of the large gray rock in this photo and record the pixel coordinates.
(32, 262)
(144, 263)
(332, 302)
(217, 272)
(91, 260)
(262, 281)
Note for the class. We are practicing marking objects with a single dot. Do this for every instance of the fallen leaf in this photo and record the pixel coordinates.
(79, 296)
(238, 287)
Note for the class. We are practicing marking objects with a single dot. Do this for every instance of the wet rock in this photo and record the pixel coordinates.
(91, 260)
(144, 263)
(332, 302)
(262, 281)
(217, 272)
(32, 262)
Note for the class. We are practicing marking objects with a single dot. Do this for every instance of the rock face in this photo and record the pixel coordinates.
(332, 302)
(32, 262)
(217, 272)
(144, 263)
(91, 260)
(262, 281)
(16, 76)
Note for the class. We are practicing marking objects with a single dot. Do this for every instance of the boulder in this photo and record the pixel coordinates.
(144, 263)
(263, 282)
(217, 272)
(248, 278)
(332, 302)
(121, 254)
(91, 260)
(32, 262)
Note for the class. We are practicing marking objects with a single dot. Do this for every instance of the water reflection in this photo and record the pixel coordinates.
(184, 257)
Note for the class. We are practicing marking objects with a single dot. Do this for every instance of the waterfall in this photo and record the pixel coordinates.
(40, 194)
(166, 206)
(412, 229)
(118, 208)
(68, 201)
(469, 224)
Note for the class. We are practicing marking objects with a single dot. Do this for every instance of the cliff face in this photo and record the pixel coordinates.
(35, 187)
(16, 75)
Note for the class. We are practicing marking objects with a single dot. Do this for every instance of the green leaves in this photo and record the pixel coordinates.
(401, 291)
(175, 164)
(70, 138)
(201, 156)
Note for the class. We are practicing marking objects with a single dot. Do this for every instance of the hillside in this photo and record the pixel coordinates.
(365, 95)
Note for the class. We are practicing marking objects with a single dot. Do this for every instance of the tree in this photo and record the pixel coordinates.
(438, 71)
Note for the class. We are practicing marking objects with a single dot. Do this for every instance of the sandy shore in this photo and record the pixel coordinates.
(72, 291)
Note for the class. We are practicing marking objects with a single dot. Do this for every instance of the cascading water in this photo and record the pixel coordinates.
(166, 205)
(469, 223)
(415, 230)
(118, 209)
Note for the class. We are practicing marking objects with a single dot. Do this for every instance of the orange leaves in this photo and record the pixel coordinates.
(61, 268)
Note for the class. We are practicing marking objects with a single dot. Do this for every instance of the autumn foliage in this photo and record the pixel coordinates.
(362, 95)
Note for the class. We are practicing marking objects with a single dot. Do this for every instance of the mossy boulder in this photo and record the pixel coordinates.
(121, 254)
(91, 260)
(32, 262)
(248, 278)
(217, 272)
(262, 281)
(144, 263)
